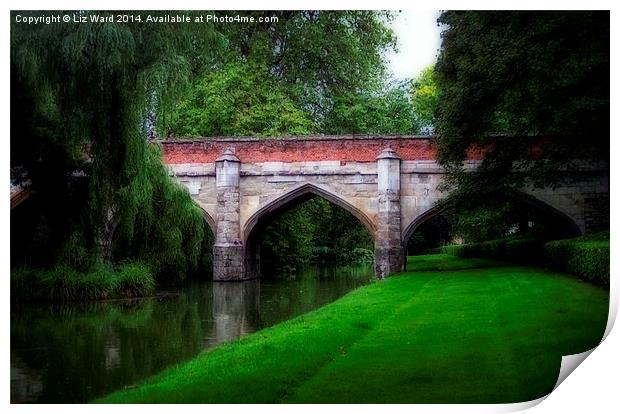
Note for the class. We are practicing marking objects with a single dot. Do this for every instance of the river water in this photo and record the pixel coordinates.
(77, 352)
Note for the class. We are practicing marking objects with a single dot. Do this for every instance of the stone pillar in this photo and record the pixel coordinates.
(228, 250)
(389, 252)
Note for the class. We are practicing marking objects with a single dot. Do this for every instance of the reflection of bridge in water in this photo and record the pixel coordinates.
(389, 184)
(236, 310)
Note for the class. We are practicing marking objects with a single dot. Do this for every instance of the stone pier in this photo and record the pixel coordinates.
(228, 250)
(389, 251)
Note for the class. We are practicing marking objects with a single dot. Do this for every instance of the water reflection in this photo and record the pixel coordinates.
(73, 353)
(236, 310)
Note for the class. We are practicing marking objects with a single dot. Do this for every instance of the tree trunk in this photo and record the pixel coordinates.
(105, 235)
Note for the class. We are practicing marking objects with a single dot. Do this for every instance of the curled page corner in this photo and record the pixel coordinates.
(569, 363)
(567, 366)
(521, 406)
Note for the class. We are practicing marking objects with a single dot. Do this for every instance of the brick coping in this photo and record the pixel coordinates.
(190, 140)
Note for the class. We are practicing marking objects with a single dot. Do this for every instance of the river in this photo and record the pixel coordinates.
(67, 353)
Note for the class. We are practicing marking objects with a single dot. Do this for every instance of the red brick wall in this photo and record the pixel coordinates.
(344, 149)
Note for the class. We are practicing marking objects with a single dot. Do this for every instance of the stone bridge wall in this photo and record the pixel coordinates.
(241, 182)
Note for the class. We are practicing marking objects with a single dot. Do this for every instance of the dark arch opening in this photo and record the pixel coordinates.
(535, 216)
(319, 206)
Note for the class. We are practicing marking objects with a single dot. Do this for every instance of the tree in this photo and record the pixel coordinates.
(95, 82)
(319, 54)
(317, 62)
(424, 99)
(237, 100)
(538, 79)
(386, 111)
(315, 231)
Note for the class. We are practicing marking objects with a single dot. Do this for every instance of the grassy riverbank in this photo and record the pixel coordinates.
(473, 331)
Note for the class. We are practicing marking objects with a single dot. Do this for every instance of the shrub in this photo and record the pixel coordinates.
(134, 279)
(359, 255)
(434, 250)
(63, 283)
(519, 250)
(586, 257)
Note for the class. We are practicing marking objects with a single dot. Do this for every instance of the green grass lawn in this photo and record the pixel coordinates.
(489, 334)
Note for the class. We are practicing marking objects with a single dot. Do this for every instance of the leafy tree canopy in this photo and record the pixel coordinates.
(320, 54)
(238, 100)
(424, 99)
(386, 111)
(523, 74)
(302, 71)
(91, 84)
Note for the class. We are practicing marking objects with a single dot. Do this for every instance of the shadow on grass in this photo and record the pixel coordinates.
(442, 262)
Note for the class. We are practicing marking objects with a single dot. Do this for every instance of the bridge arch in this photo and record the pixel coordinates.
(527, 199)
(411, 228)
(552, 211)
(298, 195)
(208, 219)
(283, 202)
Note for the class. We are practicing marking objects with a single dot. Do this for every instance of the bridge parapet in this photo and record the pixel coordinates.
(295, 149)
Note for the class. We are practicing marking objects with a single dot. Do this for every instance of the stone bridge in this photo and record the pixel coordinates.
(388, 183)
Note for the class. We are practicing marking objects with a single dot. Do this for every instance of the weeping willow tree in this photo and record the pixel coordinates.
(97, 82)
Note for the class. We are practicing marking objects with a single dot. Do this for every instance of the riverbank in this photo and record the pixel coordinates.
(123, 342)
(489, 334)
(62, 283)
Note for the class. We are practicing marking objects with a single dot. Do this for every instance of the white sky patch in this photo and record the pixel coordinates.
(418, 42)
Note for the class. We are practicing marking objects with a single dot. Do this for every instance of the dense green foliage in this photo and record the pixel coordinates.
(321, 55)
(287, 79)
(486, 223)
(514, 249)
(314, 232)
(169, 231)
(302, 68)
(587, 257)
(89, 87)
(526, 75)
(238, 100)
(247, 101)
(64, 283)
(424, 98)
(386, 111)
(448, 328)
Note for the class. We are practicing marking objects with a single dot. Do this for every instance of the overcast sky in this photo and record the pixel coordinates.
(418, 42)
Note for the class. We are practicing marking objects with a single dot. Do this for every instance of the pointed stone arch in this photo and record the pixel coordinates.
(525, 198)
(421, 219)
(208, 219)
(297, 195)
